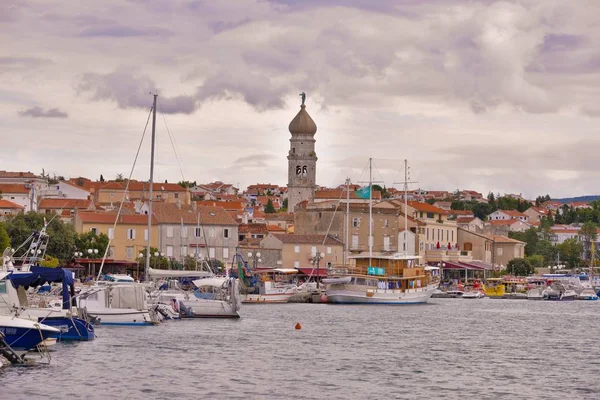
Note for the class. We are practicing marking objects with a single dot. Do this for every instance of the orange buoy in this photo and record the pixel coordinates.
(298, 326)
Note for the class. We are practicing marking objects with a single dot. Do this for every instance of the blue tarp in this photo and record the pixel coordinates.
(38, 276)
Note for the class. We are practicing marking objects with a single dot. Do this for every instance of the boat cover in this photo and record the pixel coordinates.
(38, 276)
(170, 273)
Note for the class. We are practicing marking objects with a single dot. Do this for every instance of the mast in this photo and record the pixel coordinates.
(347, 224)
(370, 210)
(405, 206)
(151, 183)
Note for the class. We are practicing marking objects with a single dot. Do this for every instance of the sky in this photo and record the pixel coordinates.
(485, 95)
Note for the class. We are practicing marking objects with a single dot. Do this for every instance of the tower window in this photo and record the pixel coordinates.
(293, 149)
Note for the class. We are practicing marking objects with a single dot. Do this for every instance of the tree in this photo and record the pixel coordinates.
(570, 252)
(588, 233)
(491, 198)
(160, 262)
(536, 261)
(91, 240)
(50, 262)
(530, 237)
(61, 243)
(269, 208)
(187, 184)
(547, 250)
(519, 267)
(119, 178)
(285, 203)
(101, 178)
(4, 238)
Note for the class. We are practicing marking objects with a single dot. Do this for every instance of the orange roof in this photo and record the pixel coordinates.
(500, 222)
(461, 212)
(513, 213)
(337, 194)
(228, 205)
(275, 228)
(504, 239)
(10, 204)
(170, 213)
(425, 207)
(11, 174)
(46, 204)
(109, 218)
(13, 188)
(464, 220)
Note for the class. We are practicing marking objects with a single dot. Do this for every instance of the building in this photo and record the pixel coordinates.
(342, 196)
(297, 251)
(187, 230)
(128, 236)
(505, 249)
(112, 193)
(479, 246)
(20, 194)
(535, 214)
(7, 207)
(65, 189)
(506, 215)
(503, 226)
(65, 208)
(302, 159)
(472, 224)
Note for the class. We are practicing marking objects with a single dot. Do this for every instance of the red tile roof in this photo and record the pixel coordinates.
(109, 218)
(275, 229)
(171, 213)
(227, 205)
(55, 204)
(10, 204)
(12, 174)
(13, 188)
(513, 213)
(425, 207)
(464, 220)
(501, 222)
(504, 239)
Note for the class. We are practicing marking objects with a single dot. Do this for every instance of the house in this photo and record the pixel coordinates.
(505, 249)
(477, 244)
(551, 205)
(454, 214)
(439, 233)
(470, 195)
(282, 219)
(387, 227)
(252, 231)
(503, 226)
(65, 189)
(65, 208)
(298, 251)
(262, 189)
(507, 214)
(535, 214)
(7, 207)
(128, 237)
(19, 193)
(114, 192)
(567, 232)
(444, 205)
(188, 230)
(580, 204)
(472, 224)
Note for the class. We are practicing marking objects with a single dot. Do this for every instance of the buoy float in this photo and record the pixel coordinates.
(324, 298)
(298, 326)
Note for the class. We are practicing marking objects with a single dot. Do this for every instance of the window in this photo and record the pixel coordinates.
(94, 231)
(184, 231)
(198, 232)
(184, 251)
(176, 195)
(296, 249)
(452, 236)
(130, 233)
(145, 234)
(111, 252)
(111, 233)
(169, 231)
(211, 252)
(355, 222)
(386, 243)
(354, 241)
(225, 253)
(427, 233)
(211, 233)
(430, 215)
(385, 223)
(129, 252)
(329, 250)
(296, 264)
(313, 250)
(226, 233)
(112, 194)
(169, 251)
(500, 251)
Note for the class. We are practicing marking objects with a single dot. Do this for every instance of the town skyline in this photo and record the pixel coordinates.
(480, 95)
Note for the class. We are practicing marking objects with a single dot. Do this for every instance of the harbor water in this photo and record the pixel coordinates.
(449, 349)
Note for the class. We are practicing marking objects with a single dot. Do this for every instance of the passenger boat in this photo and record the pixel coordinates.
(558, 292)
(380, 279)
(587, 294)
(494, 288)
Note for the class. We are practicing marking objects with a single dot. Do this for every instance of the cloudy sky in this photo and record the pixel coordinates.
(484, 95)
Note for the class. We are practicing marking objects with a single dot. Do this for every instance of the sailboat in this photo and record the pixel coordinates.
(380, 278)
(124, 303)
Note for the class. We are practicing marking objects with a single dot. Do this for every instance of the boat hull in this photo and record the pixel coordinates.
(23, 335)
(71, 329)
(267, 298)
(208, 309)
(125, 317)
(379, 297)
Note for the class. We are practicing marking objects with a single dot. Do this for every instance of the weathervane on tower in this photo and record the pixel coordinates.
(303, 95)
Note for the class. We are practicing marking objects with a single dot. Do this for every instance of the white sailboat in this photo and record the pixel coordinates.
(380, 278)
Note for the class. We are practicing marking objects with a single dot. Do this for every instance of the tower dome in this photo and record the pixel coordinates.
(302, 124)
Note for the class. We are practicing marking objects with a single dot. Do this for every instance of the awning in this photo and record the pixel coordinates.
(322, 272)
(460, 265)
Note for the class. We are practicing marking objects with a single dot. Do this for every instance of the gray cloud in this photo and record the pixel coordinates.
(38, 112)
(130, 89)
(119, 31)
(255, 160)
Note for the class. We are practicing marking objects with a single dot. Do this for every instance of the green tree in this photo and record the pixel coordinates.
(519, 267)
(4, 238)
(101, 178)
(570, 252)
(530, 237)
(536, 261)
(119, 178)
(91, 240)
(50, 262)
(285, 205)
(588, 233)
(159, 262)
(269, 208)
(547, 250)
(61, 243)
(187, 184)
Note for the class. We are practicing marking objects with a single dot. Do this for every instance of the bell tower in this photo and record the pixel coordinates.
(302, 159)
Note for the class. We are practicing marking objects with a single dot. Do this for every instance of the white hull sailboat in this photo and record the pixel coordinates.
(274, 287)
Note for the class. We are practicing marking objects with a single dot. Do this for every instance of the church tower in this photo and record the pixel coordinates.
(302, 159)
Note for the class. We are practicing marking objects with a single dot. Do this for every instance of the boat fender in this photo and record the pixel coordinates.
(298, 326)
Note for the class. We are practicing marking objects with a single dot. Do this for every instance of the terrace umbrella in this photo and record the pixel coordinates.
(449, 246)
(437, 245)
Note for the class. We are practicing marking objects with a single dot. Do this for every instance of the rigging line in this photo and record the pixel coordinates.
(123, 197)
(177, 157)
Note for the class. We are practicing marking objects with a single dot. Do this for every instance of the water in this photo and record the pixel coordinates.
(450, 349)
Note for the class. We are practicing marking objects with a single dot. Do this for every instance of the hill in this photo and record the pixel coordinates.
(578, 198)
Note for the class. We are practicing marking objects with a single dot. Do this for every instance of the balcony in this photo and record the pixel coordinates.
(440, 255)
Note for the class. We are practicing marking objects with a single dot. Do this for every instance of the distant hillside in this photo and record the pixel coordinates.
(579, 198)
